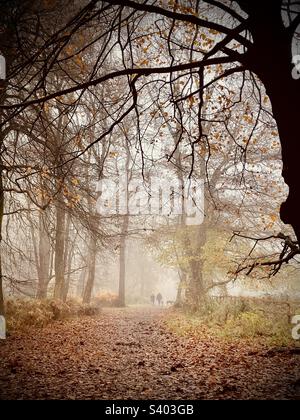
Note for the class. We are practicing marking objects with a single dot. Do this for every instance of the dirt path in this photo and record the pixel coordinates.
(130, 354)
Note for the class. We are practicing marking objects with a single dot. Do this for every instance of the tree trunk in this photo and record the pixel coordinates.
(68, 255)
(2, 311)
(59, 265)
(91, 270)
(193, 241)
(196, 289)
(81, 282)
(44, 257)
(124, 232)
(270, 58)
(196, 292)
(181, 286)
(68, 268)
(122, 264)
(6, 38)
(142, 280)
(286, 113)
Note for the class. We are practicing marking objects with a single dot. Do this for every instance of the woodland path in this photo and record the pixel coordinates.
(131, 354)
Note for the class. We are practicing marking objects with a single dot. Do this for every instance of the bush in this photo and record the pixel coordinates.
(23, 313)
(257, 325)
(106, 299)
(27, 312)
(241, 318)
(248, 325)
(219, 312)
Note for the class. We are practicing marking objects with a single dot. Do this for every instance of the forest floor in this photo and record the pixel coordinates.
(132, 354)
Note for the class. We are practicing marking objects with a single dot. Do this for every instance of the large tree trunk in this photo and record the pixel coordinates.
(124, 233)
(196, 287)
(81, 282)
(180, 296)
(68, 256)
(142, 281)
(286, 113)
(2, 311)
(271, 59)
(193, 241)
(91, 270)
(6, 40)
(68, 268)
(44, 257)
(122, 262)
(59, 265)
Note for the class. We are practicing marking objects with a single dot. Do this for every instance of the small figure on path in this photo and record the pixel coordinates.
(159, 299)
(152, 298)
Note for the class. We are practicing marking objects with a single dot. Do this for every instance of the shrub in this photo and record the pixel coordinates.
(221, 311)
(23, 313)
(106, 299)
(257, 325)
(248, 325)
(27, 312)
(241, 318)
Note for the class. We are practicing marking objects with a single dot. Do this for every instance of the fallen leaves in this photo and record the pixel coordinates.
(132, 354)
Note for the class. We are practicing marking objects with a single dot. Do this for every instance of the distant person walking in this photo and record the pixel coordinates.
(152, 298)
(159, 299)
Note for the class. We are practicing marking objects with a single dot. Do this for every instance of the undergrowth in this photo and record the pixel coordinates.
(24, 313)
(235, 321)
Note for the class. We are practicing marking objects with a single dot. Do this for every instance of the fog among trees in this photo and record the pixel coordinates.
(149, 198)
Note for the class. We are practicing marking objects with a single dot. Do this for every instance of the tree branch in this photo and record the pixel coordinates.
(226, 9)
(120, 73)
(178, 16)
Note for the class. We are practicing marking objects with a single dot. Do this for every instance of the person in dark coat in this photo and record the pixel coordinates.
(159, 299)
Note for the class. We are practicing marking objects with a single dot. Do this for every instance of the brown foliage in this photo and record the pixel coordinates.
(24, 313)
(133, 354)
